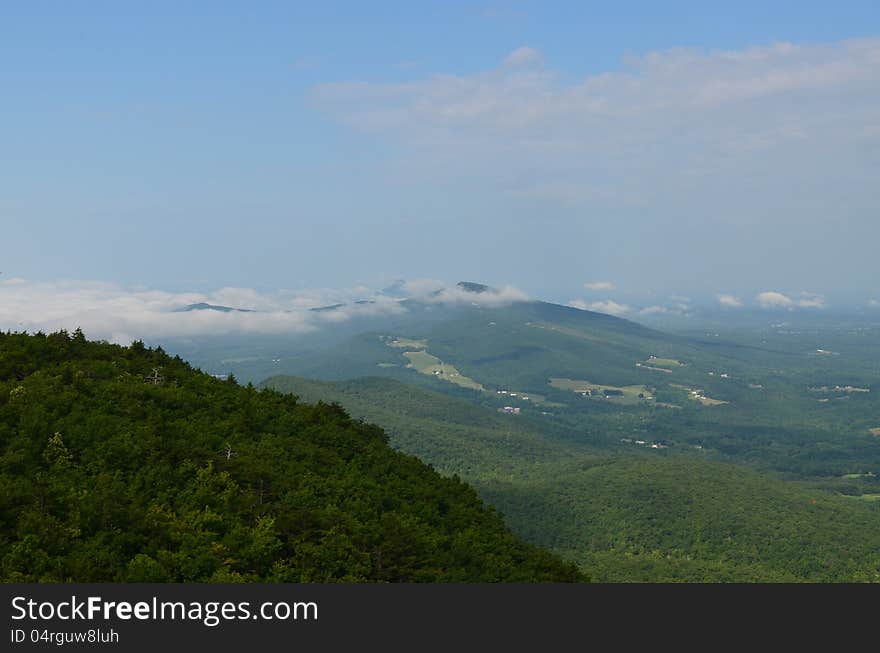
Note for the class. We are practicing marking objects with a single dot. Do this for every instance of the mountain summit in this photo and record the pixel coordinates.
(203, 306)
(470, 286)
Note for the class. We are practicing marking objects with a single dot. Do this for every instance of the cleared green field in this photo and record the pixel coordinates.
(867, 497)
(405, 343)
(425, 363)
(642, 366)
(708, 401)
(629, 394)
(666, 363)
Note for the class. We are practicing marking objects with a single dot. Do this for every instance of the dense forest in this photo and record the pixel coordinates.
(125, 464)
(629, 513)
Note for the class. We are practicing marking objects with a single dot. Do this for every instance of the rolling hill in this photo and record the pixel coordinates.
(543, 406)
(124, 464)
(627, 515)
(631, 514)
(755, 400)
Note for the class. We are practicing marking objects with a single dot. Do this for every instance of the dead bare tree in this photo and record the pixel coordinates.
(156, 377)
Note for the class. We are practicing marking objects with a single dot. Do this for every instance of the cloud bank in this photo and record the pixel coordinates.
(772, 299)
(729, 301)
(491, 298)
(715, 166)
(524, 56)
(680, 113)
(111, 312)
(608, 306)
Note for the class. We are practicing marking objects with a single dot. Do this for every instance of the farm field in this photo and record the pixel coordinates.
(425, 363)
(630, 394)
(666, 363)
(405, 343)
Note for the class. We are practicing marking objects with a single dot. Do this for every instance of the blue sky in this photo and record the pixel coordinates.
(665, 148)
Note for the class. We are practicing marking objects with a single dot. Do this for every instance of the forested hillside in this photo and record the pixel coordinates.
(124, 464)
(631, 513)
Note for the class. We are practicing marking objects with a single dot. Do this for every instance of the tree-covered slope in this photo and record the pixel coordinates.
(454, 435)
(123, 464)
(668, 519)
(630, 514)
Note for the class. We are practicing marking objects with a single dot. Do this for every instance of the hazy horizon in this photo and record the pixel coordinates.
(613, 158)
(125, 313)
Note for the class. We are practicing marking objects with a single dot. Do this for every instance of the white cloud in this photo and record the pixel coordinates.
(491, 298)
(874, 303)
(599, 285)
(421, 287)
(523, 56)
(660, 126)
(729, 301)
(612, 307)
(434, 291)
(774, 299)
(608, 306)
(112, 312)
(119, 314)
(810, 300)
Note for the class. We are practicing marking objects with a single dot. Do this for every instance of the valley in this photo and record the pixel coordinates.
(634, 453)
(733, 418)
(626, 514)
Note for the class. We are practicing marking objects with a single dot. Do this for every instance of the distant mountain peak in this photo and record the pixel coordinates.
(470, 286)
(203, 306)
(396, 289)
(333, 307)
